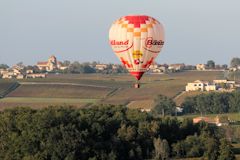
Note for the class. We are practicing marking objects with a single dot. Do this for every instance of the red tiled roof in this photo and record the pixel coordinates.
(42, 63)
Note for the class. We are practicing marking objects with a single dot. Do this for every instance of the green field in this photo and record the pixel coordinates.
(110, 89)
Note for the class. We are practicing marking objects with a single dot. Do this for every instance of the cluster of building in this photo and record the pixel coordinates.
(102, 67)
(158, 68)
(215, 85)
(20, 72)
(51, 64)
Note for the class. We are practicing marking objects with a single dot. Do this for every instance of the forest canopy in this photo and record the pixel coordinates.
(104, 132)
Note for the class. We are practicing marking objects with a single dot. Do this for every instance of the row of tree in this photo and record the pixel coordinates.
(212, 103)
(235, 62)
(104, 132)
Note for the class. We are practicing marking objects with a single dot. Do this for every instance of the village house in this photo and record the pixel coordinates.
(2, 71)
(29, 71)
(114, 66)
(12, 73)
(160, 69)
(16, 71)
(8, 75)
(101, 67)
(51, 64)
(20, 76)
(176, 67)
(156, 68)
(153, 66)
(201, 67)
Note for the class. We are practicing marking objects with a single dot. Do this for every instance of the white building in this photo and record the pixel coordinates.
(199, 85)
(201, 67)
(101, 67)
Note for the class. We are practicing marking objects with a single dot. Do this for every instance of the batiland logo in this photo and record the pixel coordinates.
(120, 46)
(114, 42)
(151, 42)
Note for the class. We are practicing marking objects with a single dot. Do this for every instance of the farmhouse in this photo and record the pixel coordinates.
(51, 64)
(199, 85)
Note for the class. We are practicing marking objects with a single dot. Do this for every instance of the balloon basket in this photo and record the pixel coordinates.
(136, 85)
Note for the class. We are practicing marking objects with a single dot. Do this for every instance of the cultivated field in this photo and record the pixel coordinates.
(7, 86)
(109, 89)
(60, 91)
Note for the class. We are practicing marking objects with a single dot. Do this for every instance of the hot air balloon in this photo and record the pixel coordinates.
(136, 40)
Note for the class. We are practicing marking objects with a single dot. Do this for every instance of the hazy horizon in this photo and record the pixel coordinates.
(196, 31)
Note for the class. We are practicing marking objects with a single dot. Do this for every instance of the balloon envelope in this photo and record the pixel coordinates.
(136, 40)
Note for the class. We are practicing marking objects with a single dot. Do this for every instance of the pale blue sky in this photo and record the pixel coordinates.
(196, 30)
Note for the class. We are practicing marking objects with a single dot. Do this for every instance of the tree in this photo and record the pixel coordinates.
(201, 104)
(4, 66)
(66, 63)
(161, 149)
(100, 132)
(76, 67)
(211, 148)
(234, 102)
(224, 66)
(189, 105)
(235, 62)
(211, 64)
(164, 105)
(225, 151)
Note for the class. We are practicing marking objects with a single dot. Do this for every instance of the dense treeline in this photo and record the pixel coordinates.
(213, 103)
(104, 132)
